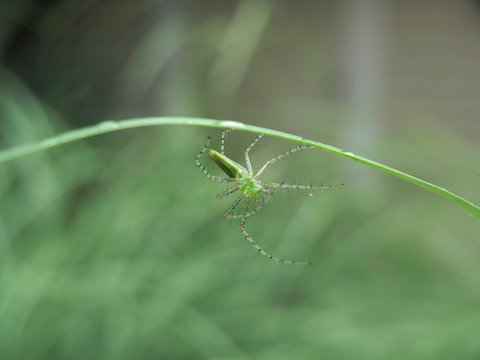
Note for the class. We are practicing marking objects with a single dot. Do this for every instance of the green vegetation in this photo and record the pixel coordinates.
(115, 247)
(109, 126)
(123, 248)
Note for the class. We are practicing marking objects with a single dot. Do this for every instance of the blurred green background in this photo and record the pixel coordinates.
(116, 248)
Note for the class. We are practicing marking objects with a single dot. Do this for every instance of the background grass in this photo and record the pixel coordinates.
(116, 247)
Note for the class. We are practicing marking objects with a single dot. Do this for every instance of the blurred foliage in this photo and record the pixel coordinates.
(116, 248)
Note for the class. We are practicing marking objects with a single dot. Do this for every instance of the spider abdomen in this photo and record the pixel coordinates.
(229, 167)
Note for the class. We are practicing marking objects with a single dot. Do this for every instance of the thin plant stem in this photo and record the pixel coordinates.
(112, 125)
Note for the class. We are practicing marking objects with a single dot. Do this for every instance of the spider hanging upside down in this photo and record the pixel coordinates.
(251, 187)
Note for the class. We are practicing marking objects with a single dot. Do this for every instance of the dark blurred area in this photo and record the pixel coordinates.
(116, 248)
(127, 57)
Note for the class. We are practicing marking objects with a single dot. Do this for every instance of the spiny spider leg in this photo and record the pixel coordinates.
(298, 187)
(263, 200)
(281, 156)
(228, 214)
(259, 249)
(247, 159)
(229, 191)
(222, 140)
(211, 177)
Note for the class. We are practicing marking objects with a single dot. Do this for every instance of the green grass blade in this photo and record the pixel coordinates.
(110, 126)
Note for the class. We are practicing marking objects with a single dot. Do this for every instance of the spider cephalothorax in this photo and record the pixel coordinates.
(251, 187)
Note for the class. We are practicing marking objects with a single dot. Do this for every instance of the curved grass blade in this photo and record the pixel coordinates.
(112, 125)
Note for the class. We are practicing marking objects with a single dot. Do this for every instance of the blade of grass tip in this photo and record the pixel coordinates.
(111, 125)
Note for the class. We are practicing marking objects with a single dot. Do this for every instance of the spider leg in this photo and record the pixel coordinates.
(281, 156)
(259, 249)
(247, 159)
(205, 171)
(298, 187)
(263, 200)
(222, 140)
(228, 192)
(228, 214)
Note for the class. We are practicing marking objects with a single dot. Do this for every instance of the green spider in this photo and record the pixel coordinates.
(251, 187)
